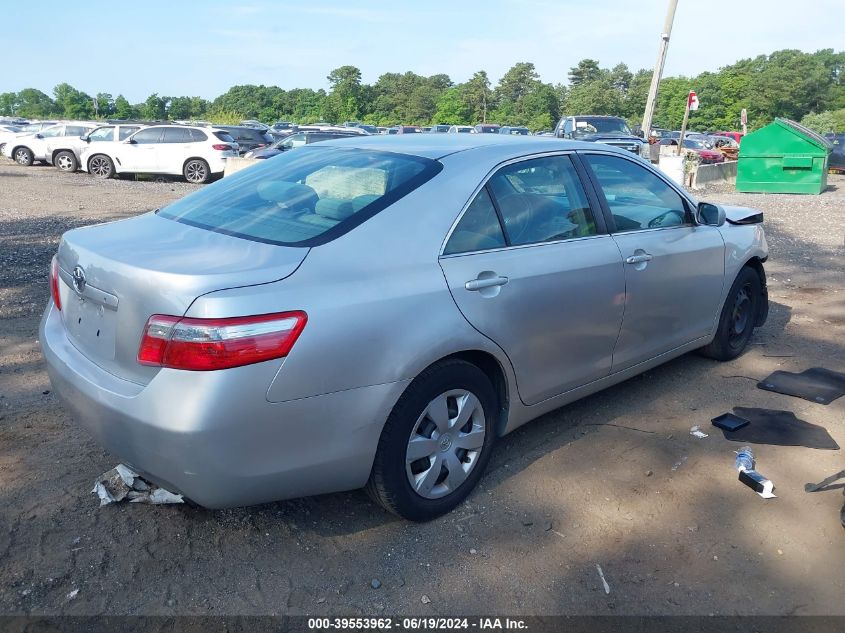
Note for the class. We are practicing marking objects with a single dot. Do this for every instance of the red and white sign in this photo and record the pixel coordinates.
(692, 100)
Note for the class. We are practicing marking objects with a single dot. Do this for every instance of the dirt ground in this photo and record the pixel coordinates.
(614, 480)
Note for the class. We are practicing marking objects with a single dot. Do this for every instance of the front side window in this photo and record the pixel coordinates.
(50, 132)
(478, 229)
(542, 200)
(102, 134)
(148, 135)
(637, 198)
(303, 198)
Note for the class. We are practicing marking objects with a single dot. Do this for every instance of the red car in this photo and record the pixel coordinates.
(708, 156)
(737, 136)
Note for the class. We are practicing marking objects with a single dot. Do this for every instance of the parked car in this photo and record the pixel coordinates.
(439, 129)
(408, 129)
(610, 130)
(258, 125)
(65, 153)
(282, 126)
(392, 130)
(708, 156)
(196, 153)
(377, 312)
(487, 128)
(369, 129)
(461, 129)
(248, 138)
(298, 140)
(28, 128)
(8, 131)
(737, 136)
(42, 146)
(836, 158)
(717, 141)
(514, 131)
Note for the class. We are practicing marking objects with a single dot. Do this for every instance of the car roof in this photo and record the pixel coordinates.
(436, 146)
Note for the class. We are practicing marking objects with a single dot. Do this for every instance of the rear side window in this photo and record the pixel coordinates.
(76, 130)
(478, 229)
(542, 200)
(176, 135)
(223, 136)
(303, 198)
(126, 131)
(197, 136)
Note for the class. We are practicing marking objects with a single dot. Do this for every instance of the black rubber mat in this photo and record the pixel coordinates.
(815, 384)
(779, 428)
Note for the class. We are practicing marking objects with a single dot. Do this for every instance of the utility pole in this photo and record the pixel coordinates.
(658, 68)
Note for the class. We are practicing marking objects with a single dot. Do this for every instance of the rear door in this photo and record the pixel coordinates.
(674, 269)
(530, 266)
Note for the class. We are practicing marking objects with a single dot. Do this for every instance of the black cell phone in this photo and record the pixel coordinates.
(730, 422)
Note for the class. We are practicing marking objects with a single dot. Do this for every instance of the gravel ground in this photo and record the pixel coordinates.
(614, 480)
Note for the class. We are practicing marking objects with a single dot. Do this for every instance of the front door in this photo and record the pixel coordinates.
(530, 267)
(674, 269)
(139, 154)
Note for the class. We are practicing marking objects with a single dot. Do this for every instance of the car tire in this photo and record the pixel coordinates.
(66, 161)
(738, 317)
(196, 171)
(418, 485)
(101, 166)
(23, 156)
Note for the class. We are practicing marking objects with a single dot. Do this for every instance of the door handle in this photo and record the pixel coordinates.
(639, 259)
(485, 282)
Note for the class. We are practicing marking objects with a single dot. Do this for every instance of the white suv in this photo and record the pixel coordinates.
(65, 152)
(37, 147)
(177, 150)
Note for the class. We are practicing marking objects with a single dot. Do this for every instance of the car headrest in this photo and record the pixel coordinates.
(334, 208)
(288, 194)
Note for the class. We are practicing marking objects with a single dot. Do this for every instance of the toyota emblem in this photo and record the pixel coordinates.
(79, 279)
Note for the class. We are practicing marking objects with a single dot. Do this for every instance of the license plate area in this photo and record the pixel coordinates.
(91, 327)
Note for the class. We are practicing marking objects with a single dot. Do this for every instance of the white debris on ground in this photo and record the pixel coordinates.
(121, 483)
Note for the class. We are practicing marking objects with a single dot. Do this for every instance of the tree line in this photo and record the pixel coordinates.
(786, 83)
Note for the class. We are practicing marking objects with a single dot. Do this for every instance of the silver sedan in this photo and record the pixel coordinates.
(375, 312)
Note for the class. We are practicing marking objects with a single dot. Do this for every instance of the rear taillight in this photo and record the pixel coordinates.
(222, 147)
(208, 344)
(54, 283)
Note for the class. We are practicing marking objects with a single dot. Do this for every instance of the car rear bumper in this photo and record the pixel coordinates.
(213, 436)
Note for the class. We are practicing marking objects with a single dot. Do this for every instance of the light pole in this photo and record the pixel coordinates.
(658, 68)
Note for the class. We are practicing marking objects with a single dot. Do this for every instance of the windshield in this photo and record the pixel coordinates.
(600, 125)
(693, 144)
(303, 198)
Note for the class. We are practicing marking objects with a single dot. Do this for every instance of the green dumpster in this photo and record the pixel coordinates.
(783, 157)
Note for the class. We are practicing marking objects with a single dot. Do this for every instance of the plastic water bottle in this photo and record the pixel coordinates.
(744, 459)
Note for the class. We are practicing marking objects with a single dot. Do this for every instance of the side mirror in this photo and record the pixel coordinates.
(709, 214)
(39, 135)
(85, 138)
(131, 141)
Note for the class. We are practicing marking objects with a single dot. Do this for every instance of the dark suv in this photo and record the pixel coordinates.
(610, 130)
(248, 138)
(297, 140)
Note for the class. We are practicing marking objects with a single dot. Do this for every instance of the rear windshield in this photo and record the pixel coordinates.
(304, 197)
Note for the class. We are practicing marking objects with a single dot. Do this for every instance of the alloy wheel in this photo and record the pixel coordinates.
(195, 172)
(100, 166)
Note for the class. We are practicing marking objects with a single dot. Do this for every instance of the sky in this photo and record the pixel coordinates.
(203, 48)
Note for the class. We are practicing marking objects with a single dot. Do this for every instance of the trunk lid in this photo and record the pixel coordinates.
(149, 265)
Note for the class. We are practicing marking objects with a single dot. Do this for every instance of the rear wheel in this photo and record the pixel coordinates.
(23, 156)
(436, 443)
(739, 314)
(66, 161)
(101, 166)
(196, 171)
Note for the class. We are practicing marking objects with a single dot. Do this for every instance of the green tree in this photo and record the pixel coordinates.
(155, 108)
(34, 104)
(70, 103)
(122, 108)
(479, 96)
(586, 70)
(344, 101)
(8, 103)
(453, 108)
(105, 105)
